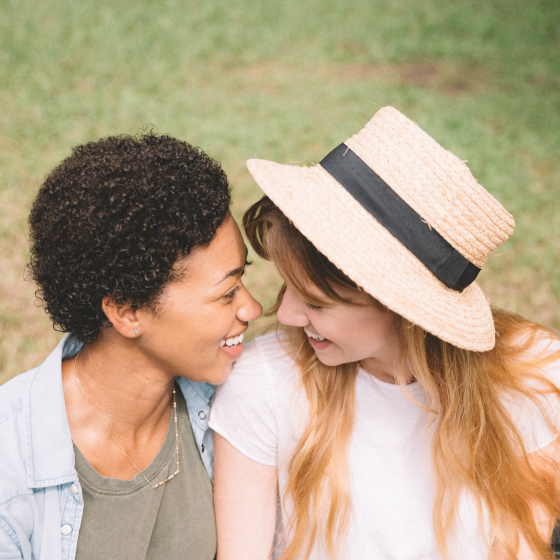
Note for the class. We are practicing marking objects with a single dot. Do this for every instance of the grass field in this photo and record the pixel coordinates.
(285, 81)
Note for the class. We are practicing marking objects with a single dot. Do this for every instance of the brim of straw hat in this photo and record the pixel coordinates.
(355, 242)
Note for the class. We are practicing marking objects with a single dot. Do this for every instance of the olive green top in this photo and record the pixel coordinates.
(128, 520)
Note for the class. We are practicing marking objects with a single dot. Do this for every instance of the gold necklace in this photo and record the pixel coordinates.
(154, 486)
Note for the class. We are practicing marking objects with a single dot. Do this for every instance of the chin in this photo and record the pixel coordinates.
(331, 362)
(221, 378)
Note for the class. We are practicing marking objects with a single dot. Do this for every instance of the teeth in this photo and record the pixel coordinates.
(314, 336)
(234, 341)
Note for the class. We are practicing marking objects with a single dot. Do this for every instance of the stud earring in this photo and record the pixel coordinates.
(135, 331)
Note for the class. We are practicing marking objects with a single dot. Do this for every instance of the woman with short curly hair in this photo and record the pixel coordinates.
(105, 448)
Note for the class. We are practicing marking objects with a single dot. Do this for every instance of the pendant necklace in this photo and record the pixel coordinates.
(154, 486)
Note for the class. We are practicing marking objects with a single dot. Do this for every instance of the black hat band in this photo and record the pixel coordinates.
(397, 217)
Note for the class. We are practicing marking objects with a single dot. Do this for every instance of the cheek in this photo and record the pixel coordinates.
(191, 331)
(368, 329)
(358, 344)
(381, 331)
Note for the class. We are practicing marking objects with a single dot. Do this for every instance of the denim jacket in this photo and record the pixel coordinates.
(41, 502)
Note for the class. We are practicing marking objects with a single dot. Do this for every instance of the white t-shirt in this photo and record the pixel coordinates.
(262, 409)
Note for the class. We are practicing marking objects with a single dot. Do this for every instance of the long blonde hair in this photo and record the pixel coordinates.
(475, 445)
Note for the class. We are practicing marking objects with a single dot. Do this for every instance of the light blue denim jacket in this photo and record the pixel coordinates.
(41, 501)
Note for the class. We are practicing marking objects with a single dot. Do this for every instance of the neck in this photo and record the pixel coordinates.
(129, 394)
(382, 371)
(385, 365)
(132, 398)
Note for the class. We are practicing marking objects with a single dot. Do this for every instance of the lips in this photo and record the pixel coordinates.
(233, 346)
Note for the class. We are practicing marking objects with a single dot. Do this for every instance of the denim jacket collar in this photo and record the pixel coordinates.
(48, 442)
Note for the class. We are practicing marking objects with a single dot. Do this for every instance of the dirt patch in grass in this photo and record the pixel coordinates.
(262, 68)
(449, 78)
(266, 76)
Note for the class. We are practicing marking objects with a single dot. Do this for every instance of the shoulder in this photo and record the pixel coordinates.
(264, 377)
(264, 373)
(265, 367)
(534, 412)
(254, 408)
(547, 347)
(13, 471)
(12, 393)
(268, 353)
(527, 355)
(542, 353)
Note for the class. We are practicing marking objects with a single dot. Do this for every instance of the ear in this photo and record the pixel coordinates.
(122, 316)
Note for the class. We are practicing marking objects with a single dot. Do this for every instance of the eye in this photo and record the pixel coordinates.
(247, 263)
(230, 295)
(314, 307)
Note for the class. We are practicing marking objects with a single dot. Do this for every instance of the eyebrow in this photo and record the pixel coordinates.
(236, 271)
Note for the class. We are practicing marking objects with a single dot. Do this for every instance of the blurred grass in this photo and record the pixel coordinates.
(285, 81)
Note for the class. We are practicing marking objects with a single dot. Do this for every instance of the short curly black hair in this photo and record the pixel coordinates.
(113, 219)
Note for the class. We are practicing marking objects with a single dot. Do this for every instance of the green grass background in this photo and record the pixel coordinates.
(287, 81)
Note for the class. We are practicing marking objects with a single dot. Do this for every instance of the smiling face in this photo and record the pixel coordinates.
(199, 319)
(343, 324)
(340, 333)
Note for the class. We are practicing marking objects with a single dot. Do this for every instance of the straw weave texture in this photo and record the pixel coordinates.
(436, 183)
(433, 182)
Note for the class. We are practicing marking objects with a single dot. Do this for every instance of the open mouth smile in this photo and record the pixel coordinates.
(233, 341)
(314, 336)
(317, 341)
(232, 346)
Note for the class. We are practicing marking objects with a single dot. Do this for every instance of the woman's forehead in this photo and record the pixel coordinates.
(215, 262)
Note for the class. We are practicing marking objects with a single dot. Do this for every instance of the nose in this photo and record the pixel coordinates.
(292, 310)
(250, 309)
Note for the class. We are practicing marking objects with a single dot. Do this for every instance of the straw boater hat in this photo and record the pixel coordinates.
(404, 219)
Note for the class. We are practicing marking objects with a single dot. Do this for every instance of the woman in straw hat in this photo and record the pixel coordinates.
(397, 414)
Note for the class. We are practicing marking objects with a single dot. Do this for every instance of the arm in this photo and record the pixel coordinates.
(245, 494)
(545, 458)
(9, 546)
